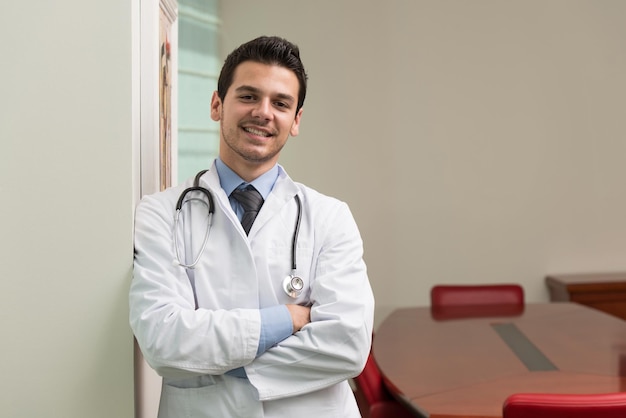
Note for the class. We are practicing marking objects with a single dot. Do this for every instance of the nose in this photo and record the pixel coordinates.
(262, 109)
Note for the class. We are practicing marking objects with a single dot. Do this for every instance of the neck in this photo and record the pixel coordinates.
(248, 171)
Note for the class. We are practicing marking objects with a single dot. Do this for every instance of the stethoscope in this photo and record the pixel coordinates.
(292, 284)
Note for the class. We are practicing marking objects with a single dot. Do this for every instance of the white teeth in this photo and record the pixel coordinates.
(256, 132)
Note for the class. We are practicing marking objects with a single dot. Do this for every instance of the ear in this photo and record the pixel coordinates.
(295, 126)
(216, 107)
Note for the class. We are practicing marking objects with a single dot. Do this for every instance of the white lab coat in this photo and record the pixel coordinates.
(305, 374)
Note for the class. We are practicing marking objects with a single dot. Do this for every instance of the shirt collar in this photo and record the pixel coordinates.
(229, 180)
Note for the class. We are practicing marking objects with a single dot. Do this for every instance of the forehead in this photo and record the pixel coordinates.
(267, 78)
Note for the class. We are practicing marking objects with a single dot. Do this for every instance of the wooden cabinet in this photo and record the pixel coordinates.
(603, 291)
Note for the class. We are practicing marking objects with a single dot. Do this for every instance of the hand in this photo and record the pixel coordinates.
(300, 316)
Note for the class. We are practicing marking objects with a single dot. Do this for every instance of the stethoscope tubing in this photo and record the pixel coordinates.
(296, 232)
(204, 242)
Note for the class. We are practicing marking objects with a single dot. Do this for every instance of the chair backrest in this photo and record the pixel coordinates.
(548, 405)
(442, 296)
(370, 383)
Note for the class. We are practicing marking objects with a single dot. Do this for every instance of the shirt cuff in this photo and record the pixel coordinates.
(276, 325)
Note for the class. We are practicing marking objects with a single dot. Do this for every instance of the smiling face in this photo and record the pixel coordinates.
(256, 117)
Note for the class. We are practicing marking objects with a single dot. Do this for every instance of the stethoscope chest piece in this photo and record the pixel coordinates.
(293, 286)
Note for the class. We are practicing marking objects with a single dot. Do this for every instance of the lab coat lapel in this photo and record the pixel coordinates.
(211, 181)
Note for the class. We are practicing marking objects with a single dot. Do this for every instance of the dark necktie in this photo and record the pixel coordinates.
(251, 201)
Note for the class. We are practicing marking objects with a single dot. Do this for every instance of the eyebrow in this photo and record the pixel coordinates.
(251, 89)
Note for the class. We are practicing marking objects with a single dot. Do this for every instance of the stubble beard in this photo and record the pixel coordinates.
(251, 156)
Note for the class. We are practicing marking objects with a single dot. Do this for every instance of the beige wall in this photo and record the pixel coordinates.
(504, 118)
(66, 209)
(475, 141)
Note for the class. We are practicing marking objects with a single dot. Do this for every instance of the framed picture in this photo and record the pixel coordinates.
(158, 44)
(167, 18)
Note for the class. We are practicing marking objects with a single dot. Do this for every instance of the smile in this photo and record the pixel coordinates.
(257, 132)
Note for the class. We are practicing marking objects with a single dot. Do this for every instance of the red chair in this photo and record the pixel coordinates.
(378, 402)
(549, 405)
(476, 294)
(476, 300)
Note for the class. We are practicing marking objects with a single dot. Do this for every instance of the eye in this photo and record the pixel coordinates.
(246, 97)
(282, 105)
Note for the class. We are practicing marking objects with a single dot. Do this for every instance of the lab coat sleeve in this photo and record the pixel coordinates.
(335, 345)
(175, 339)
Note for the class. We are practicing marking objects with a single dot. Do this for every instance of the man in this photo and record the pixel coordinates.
(267, 320)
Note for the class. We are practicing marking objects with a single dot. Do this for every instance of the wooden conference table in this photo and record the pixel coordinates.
(464, 363)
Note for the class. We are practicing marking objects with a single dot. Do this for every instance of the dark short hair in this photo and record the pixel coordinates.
(270, 50)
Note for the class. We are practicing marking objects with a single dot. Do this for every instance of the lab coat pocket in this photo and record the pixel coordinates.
(187, 402)
(228, 398)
